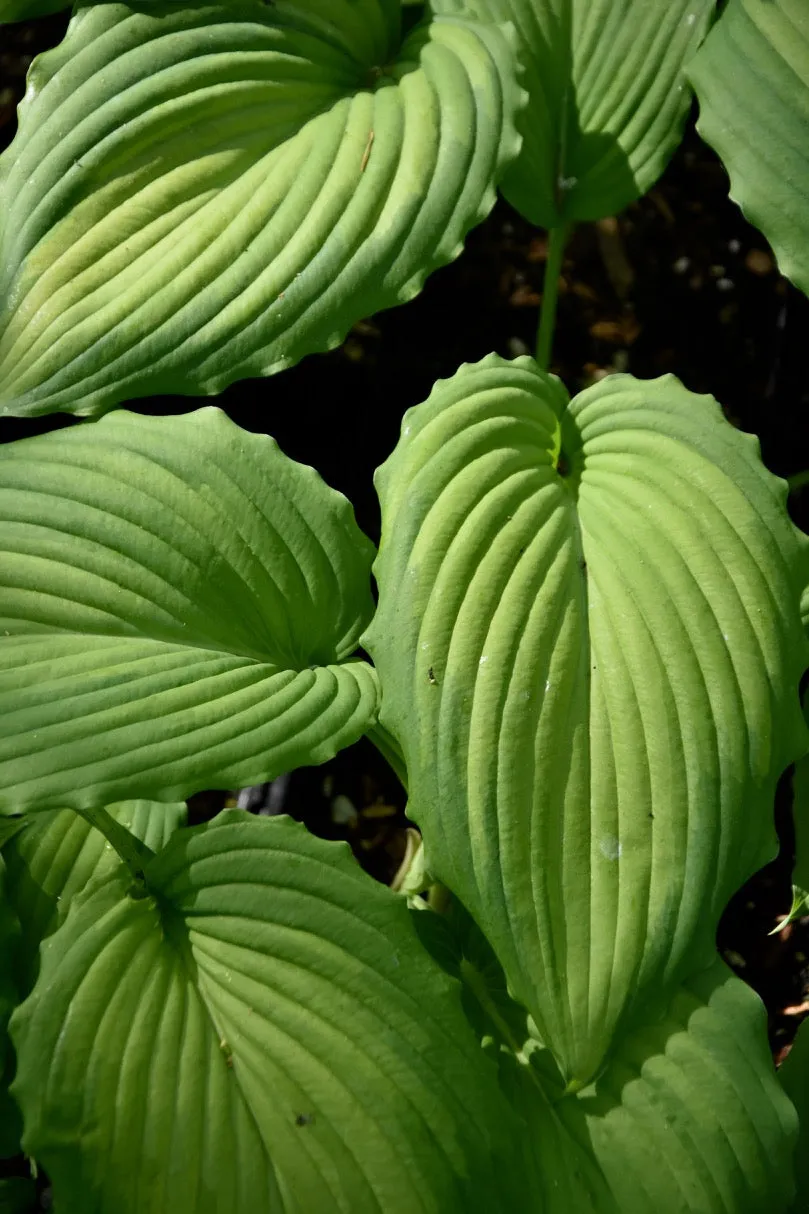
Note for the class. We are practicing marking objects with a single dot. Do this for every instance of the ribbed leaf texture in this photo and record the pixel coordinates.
(53, 857)
(202, 192)
(263, 1033)
(752, 81)
(57, 856)
(688, 1116)
(607, 98)
(179, 606)
(589, 642)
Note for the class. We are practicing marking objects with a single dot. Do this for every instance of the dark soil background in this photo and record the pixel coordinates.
(678, 283)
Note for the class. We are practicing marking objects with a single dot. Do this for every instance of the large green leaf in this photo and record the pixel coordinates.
(10, 1124)
(178, 607)
(589, 643)
(607, 98)
(794, 1075)
(201, 192)
(264, 1033)
(687, 1117)
(752, 81)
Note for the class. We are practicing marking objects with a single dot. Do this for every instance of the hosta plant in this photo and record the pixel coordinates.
(583, 658)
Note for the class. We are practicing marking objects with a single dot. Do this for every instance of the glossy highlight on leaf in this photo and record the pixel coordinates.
(614, 580)
(752, 81)
(274, 1038)
(608, 98)
(203, 192)
(179, 608)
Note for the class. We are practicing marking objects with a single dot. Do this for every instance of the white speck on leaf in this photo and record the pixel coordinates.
(610, 847)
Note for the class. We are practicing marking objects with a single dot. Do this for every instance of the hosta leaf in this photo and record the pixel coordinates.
(589, 642)
(687, 1116)
(202, 192)
(10, 1124)
(265, 1032)
(752, 81)
(607, 98)
(178, 608)
(58, 855)
(794, 1074)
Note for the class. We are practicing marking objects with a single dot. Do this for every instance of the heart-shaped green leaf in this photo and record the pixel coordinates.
(178, 608)
(687, 1116)
(752, 81)
(264, 1033)
(607, 98)
(589, 643)
(201, 192)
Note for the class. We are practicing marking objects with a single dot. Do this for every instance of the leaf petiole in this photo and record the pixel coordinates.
(557, 239)
(134, 853)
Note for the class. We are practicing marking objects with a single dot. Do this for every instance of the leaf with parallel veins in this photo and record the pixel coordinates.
(589, 643)
(179, 610)
(203, 192)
